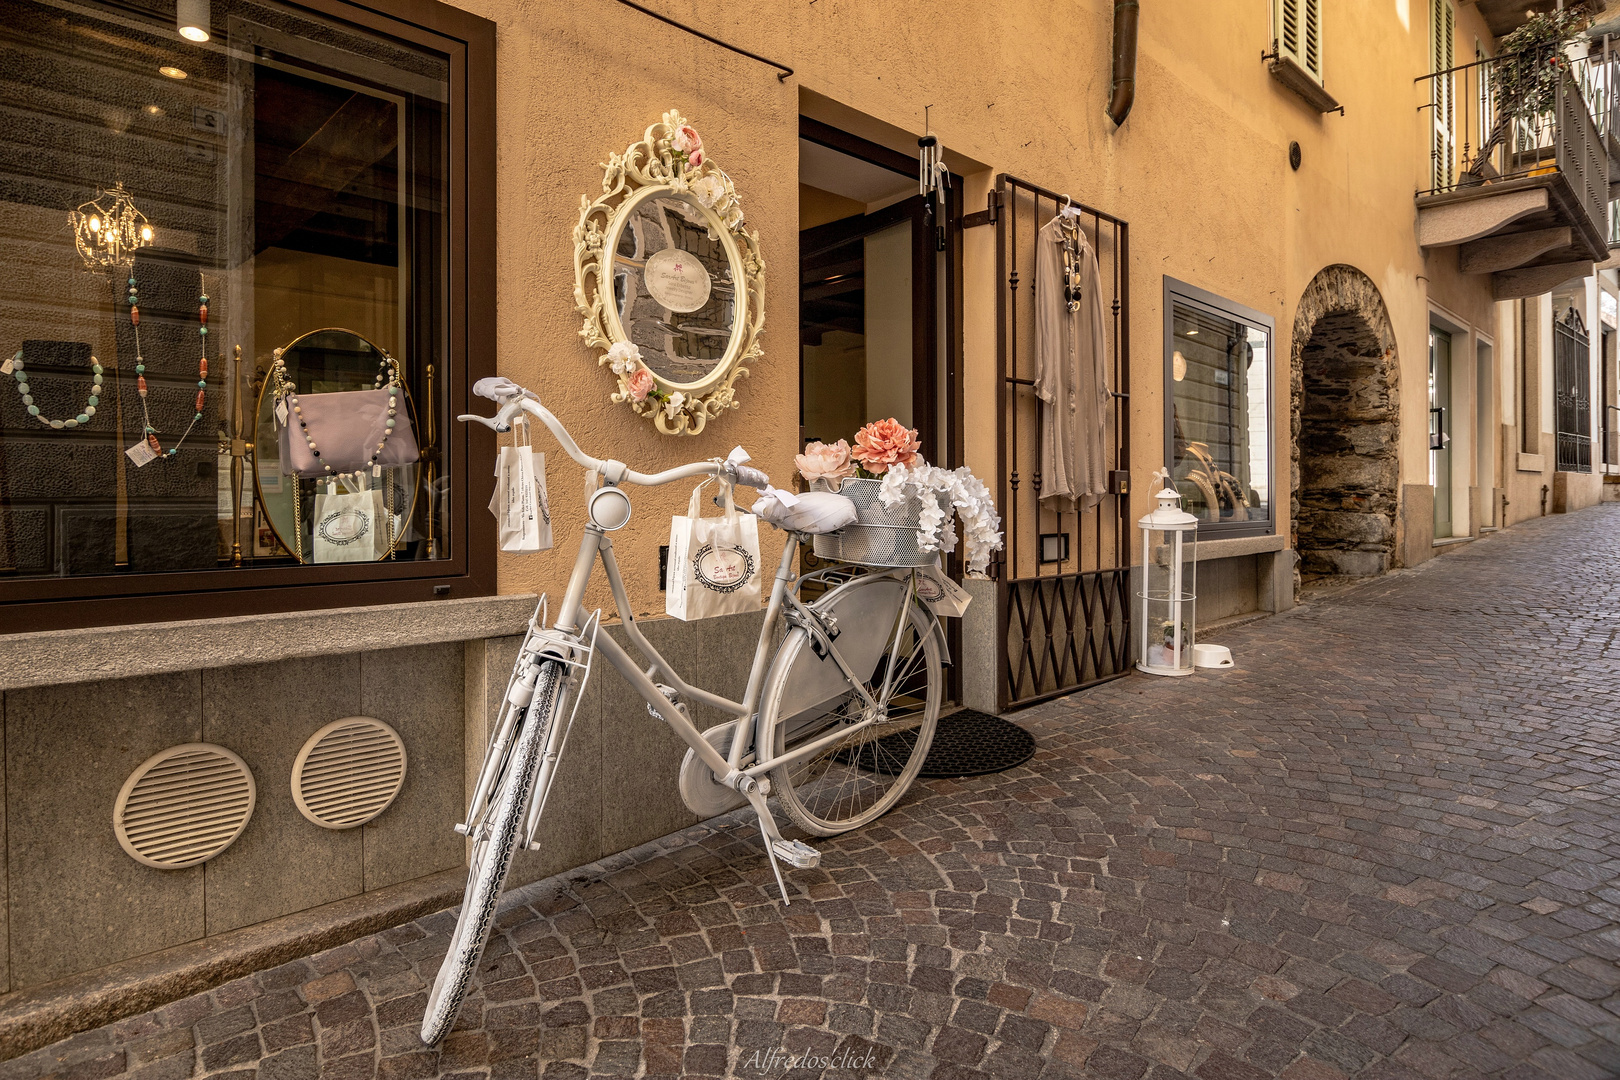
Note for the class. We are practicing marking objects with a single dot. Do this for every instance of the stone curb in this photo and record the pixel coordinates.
(41, 1015)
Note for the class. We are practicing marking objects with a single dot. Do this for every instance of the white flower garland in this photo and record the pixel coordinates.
(967, 493)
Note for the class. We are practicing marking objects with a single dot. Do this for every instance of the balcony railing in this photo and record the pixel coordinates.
(1480, 138)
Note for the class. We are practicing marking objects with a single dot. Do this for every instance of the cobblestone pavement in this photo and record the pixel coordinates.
(1383, 846)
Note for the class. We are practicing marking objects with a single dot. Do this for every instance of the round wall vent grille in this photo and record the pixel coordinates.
(348, 772)
(184, 806)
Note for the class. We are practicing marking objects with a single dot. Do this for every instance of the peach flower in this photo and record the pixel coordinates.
(686, 140)
(823, 462)
(640, 384)
(885, 443)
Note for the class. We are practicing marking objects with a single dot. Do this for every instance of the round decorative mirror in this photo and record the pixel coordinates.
(325, 361)
(669, 281)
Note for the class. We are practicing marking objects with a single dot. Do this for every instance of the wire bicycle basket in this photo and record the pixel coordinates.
(880, 535)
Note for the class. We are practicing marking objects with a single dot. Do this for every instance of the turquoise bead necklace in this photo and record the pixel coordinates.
(140, 366)
(26, 391)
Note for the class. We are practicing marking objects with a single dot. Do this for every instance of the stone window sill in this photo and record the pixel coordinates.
(58, 657)
(1532, 462)
(1231, 548)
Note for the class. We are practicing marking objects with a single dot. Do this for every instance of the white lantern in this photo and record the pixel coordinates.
(1169, 596)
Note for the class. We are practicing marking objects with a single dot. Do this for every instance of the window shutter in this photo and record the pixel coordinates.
(1298, 27)
(1443, 28)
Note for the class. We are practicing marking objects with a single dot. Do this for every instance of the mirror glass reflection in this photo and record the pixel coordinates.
(327, 362)
(674, 288)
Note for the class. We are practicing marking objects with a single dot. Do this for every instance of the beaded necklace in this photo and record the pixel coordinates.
(140, 366)
(26, 393)
(387, 378)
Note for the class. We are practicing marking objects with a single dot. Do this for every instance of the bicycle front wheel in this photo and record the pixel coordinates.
(491, 859)
(854, 779)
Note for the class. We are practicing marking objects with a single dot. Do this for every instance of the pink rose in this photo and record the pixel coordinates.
(885, 443)
(695, 158)
(640, 384)
(825, 463)
(686, 139)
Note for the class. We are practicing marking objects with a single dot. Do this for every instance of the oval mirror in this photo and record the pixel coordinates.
(323, 361)
(669, 281)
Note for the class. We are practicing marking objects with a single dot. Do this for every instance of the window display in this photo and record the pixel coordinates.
(1218, 365)
(188, 214)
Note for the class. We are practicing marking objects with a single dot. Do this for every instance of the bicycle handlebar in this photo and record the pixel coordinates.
(513, 399)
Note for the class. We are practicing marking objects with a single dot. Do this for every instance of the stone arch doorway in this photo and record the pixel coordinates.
(1346, 403)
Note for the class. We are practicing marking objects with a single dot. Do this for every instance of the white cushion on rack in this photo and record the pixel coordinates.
(815, 512)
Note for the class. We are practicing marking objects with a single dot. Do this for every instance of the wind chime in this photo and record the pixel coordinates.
(933, 177)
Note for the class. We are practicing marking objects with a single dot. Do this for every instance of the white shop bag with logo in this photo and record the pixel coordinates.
(713, 562)
(349, 526)
(935, 588)
(522, 513)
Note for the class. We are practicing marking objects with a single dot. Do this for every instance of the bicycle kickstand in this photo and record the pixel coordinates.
(797, 853)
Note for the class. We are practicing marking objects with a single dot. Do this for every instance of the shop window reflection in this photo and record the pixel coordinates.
(1219, 370)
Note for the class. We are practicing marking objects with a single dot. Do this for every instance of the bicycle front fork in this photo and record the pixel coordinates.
(541, 645)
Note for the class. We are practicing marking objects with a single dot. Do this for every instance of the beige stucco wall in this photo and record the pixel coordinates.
(1199, 169)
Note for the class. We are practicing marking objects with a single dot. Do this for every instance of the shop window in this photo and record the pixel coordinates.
(235, 330)
(1218, 367)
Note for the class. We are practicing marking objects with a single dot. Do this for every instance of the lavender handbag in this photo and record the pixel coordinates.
(346, 432)
(346, 427)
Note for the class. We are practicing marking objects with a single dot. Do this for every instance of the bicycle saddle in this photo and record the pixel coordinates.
(814, 512)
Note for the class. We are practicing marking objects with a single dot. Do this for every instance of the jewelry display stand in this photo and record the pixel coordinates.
(59, 487)
(174, 501)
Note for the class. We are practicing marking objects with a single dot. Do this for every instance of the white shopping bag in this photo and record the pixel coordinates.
(522, 513)
(713, 562)
(945, 597)
(350, 526)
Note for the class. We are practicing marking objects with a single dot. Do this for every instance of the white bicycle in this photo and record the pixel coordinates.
(835, 722)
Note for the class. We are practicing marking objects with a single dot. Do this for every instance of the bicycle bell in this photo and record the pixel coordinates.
(609, 509)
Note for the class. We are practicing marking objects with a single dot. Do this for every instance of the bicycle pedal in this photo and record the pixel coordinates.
(797, 854)
(669, 692)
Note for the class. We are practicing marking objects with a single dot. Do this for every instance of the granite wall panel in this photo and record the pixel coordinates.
(282, 862)
(79, 902)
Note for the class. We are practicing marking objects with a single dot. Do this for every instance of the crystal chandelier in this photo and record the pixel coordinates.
(108, 236)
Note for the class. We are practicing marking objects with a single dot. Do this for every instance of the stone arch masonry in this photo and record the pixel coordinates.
(1345, 424)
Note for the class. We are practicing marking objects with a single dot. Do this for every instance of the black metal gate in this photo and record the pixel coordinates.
(1063, 599)
(1572, 390)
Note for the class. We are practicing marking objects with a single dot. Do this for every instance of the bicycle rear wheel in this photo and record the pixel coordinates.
(491, 859)
(855, 779)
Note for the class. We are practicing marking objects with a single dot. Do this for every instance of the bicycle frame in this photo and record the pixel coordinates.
(596, 543)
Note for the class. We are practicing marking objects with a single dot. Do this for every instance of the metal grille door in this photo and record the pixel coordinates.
(1572, 390)
(1064, 578)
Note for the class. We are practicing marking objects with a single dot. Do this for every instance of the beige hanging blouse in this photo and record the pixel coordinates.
(1071, 368)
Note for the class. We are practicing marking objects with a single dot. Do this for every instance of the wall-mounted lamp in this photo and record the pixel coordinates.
(1178, 366)
(191, 18)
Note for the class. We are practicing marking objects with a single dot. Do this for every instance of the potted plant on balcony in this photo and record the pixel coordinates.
(1525, 77)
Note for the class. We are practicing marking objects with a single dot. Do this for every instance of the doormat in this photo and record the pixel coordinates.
(966, 743)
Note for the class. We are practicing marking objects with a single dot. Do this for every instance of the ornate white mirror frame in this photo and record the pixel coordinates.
(668, 162)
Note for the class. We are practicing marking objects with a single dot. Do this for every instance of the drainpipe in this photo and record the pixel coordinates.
(1122, 92)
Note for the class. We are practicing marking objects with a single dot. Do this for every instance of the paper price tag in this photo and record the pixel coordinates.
(141, 453)
(5, 368)
(281, 412)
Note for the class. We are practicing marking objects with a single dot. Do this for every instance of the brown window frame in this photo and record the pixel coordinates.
(58, 603)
